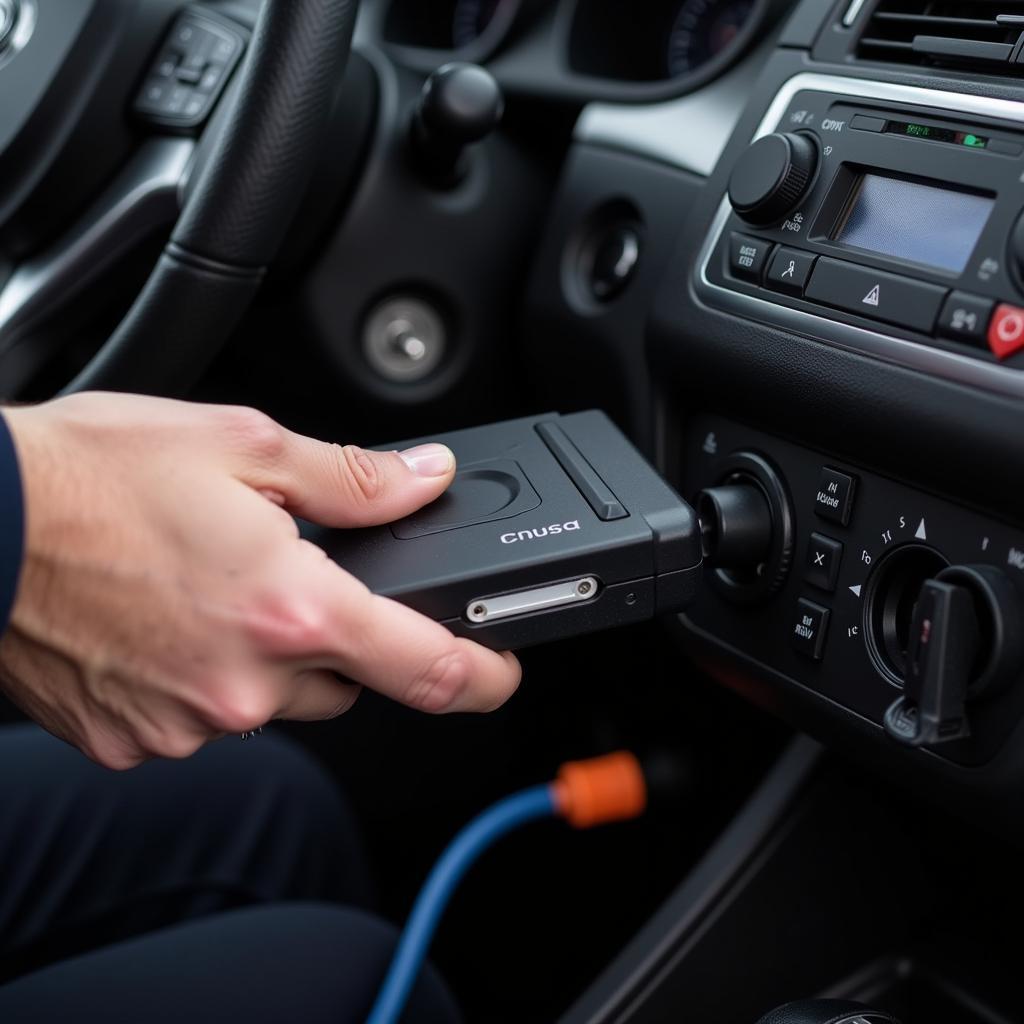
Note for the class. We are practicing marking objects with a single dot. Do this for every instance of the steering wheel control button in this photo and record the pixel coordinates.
(748, 256)
(875, 294)
(790, 270)
(177, 98)
(404, 340)
(166, 66)
(189, 74)
(212, 77)
(1006, 332)
(834, 499)
(824, 556)
(194, 62)
(966, 318)
(773, 176)
(810, 629)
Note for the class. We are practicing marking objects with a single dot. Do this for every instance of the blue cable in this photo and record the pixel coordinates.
(477, 836)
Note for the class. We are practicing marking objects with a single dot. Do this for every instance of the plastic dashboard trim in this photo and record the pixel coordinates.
(909, 354)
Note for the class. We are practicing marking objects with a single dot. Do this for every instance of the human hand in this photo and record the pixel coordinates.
(166, 597)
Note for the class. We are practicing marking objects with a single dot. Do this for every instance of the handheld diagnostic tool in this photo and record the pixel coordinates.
(554, 526)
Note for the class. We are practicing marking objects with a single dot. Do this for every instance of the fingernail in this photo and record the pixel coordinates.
(429, 460)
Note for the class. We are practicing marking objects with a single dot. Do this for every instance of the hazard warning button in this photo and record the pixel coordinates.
(1006, 332)
(876, 294)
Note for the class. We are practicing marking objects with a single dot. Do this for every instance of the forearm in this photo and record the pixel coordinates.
(12, 523)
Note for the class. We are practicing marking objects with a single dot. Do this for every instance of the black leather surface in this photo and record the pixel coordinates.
(256, 176)
(238, 211)
(825, 1011)
(164, 343)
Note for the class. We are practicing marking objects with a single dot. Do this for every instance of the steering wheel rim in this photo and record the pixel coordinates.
(238, 208)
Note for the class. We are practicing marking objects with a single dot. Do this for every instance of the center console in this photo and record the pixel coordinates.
(839, 346)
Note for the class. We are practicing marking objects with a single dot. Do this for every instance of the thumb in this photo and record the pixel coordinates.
(349, 486)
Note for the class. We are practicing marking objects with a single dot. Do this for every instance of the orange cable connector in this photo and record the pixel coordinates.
(601, 790)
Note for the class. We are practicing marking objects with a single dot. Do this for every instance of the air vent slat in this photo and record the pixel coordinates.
(968, 48)
(926, 19)
(888, 44)
(979, 34)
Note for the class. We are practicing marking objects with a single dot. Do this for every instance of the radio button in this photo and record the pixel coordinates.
(748, 256)
(876, 294)
(864, 123)
(1006, 332)
(966, 318)
(1003, 148)
(790, 270)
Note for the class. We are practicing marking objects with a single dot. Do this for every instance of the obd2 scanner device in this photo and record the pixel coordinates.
(554, 526)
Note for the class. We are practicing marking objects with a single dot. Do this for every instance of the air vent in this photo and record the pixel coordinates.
(984, 35)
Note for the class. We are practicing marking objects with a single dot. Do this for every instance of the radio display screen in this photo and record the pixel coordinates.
(909, 220)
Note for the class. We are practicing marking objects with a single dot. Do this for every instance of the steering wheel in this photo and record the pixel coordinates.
(238, 204)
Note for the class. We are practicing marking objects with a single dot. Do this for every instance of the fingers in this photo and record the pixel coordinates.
(408, 657)
(349, 486)
(315, 696)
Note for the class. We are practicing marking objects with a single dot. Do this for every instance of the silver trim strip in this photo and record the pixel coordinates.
(142, 198)
(910, 354)
(856, 6)
(21, 33)
(556, 595)
(690, 132)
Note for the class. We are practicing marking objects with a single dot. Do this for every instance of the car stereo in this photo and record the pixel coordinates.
(887, 212)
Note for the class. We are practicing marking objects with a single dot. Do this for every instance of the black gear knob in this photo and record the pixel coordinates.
(460, 104)
(826, 1011)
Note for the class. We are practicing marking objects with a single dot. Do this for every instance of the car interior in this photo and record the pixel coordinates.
(780, 246)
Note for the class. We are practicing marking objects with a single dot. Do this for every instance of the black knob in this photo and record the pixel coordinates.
(773, 176)
(460, 104)
(746, 528)
(736, 525)
(1017, 248)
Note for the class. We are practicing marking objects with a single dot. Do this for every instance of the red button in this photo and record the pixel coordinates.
(1006, 332)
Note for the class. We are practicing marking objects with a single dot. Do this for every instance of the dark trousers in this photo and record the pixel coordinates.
(225, 887)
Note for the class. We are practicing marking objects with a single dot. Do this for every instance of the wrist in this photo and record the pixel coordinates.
(12, 520)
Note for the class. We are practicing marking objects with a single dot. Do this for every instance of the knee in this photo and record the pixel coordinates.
(341, 953)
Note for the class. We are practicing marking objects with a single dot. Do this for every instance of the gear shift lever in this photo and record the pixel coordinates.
(460, 105)
(826, 1011)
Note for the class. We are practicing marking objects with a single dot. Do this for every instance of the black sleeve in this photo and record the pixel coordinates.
(12, 524)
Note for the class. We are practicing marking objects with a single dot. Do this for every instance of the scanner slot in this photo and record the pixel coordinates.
(598, 494)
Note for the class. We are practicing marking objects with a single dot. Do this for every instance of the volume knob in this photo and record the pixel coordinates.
(773, 176)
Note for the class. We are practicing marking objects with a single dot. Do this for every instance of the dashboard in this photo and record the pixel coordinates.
(575, 49)
(822, 303)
